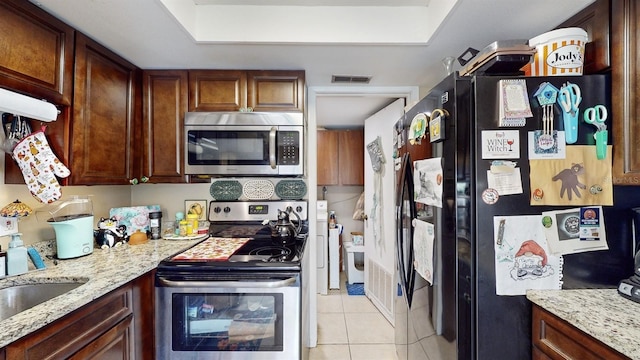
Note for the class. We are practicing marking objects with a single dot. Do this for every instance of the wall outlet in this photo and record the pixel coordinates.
(8, 225)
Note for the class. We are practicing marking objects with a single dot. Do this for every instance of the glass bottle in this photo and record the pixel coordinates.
(332, 220)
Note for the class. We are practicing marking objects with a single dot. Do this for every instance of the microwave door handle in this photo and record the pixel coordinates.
(272, 147)
(228, 284)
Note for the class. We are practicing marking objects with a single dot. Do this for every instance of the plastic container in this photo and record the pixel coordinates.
(559, 52)
(183, 228)
(203, 227)
(17, 256)
(357, 238)
(192, 223)
(179, 218)
(354, 262)
(168, 228)
(155, 224)
(332, 220)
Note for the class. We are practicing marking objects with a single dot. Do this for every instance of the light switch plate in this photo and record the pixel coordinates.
(8, 225)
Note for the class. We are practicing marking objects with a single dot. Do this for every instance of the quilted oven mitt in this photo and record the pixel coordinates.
(39, 165)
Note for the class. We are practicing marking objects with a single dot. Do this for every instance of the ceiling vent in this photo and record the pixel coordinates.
(349, 79)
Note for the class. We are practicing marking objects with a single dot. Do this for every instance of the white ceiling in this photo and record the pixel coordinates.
(396, 42)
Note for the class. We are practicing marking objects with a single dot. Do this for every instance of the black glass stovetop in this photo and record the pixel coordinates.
(261, 252)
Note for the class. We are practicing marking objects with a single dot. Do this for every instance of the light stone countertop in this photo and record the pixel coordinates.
(601, 313)
(103, 271)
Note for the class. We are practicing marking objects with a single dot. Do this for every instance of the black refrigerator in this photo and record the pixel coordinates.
(459, 315)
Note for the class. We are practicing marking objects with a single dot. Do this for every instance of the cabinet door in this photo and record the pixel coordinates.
(625, 91)
(217, 90)
(594, 20)
(143, 315)
(116, 343)
(275, 90)
(72, 333)
(102, 130)
(327, 157)
(164, 104)
(351, 157)
(557, 339)
(37, 52)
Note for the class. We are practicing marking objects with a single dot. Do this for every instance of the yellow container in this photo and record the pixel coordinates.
(192, 224)
(559, 52)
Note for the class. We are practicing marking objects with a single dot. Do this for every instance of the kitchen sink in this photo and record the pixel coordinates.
(18, 298)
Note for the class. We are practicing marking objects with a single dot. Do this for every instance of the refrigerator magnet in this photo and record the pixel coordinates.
(437, 125)
(500, 144)
(418, 128)
(490, 196)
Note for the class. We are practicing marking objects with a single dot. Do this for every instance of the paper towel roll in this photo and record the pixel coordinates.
(18, 104)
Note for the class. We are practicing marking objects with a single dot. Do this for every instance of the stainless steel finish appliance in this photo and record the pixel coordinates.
(247, 306)
(244, 143)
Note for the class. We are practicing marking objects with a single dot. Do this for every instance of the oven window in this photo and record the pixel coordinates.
(227, 322)
(228, 147)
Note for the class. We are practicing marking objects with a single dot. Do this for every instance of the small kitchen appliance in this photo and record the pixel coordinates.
(72, 221)
(241, 293)
(630, 288)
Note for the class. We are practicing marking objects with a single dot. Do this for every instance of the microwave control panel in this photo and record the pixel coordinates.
(288, 148)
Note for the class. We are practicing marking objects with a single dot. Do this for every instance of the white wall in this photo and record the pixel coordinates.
(342, 200)
(35, 230)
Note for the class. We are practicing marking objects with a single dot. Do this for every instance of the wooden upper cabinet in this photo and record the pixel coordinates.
(340, 157)
(234, 90)
(595, 21)
(625, 91)
(217, 90)
(104, 116)
(276, 90)
(351, 157)
(327, 157)
(164, 104)
(37, 52)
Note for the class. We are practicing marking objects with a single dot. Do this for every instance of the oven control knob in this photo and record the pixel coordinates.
(227, 209)
(217, 209)
(298, 209)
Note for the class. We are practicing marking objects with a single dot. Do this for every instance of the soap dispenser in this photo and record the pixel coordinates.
(17, 256)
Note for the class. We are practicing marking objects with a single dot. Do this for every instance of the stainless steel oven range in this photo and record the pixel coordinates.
(246, 303)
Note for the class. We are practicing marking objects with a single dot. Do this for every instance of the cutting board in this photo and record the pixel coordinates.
(214, 248)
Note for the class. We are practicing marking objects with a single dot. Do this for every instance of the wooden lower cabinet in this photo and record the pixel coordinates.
(554, 338)
(113, 344)
(118, 325)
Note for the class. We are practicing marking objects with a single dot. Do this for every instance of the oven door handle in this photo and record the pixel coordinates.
(272, 147)
(233, 284)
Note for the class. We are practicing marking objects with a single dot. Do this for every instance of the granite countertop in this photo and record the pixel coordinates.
(601, 313)
(103, 271)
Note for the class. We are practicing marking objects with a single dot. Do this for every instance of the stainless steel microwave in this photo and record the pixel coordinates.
(244, 143)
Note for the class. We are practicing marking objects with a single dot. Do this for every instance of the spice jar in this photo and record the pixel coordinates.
(183, 228)
(192, 222)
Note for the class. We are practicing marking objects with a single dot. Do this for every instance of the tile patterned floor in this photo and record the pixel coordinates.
(351, 328)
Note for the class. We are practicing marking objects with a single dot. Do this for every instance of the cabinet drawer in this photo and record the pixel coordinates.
(68, 335)
(557, 339)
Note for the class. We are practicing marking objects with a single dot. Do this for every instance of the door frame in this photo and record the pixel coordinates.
(410, 93)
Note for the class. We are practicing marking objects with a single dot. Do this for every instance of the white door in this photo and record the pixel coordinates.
(379, 207)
